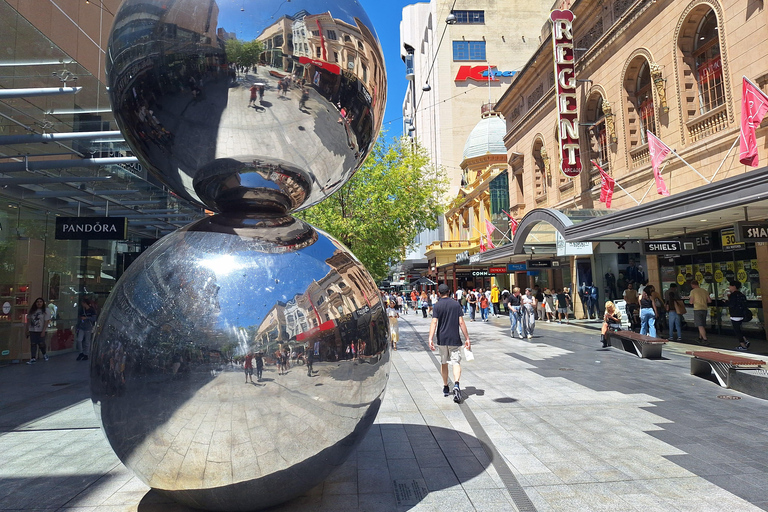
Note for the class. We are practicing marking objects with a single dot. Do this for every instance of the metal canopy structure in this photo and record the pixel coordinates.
(60, 151)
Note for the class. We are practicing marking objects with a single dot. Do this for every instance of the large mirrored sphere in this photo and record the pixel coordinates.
(169, 376)
(280, 101)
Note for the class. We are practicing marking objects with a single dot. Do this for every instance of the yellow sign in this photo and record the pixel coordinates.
(699, 277)
(718, 276)
(741, 275)
(680, 279)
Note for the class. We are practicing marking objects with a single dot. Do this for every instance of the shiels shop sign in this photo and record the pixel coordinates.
(91, 228)
(565, 82)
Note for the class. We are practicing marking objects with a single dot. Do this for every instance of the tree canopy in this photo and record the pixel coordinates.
(243, 53)
(396, 194)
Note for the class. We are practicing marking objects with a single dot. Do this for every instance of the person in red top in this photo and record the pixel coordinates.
(248, 367)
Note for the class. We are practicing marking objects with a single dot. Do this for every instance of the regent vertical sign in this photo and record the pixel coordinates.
(565, 84)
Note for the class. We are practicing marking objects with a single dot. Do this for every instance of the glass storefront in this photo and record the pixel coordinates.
(714, 268)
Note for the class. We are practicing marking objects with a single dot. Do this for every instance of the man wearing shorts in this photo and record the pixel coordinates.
(700, 300)
(447, 319)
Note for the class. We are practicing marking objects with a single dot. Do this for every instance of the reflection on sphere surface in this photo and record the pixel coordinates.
(167, 374)
(187, 111)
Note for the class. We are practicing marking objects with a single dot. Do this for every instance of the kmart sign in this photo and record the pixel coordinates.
(481, 73)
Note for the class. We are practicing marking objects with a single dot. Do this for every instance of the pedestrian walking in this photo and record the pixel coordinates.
(447, 320)
(561, 306)
(647, 314)
(248, 367)
(529, 313)
(699, 298)
(424, 303)
(495, 297)
(676, 310)
(38, 321)
(472, 302)
(739, 313)
(254, 90)
(259, 365)
(515, 308)
(394, 329)
(484, 303)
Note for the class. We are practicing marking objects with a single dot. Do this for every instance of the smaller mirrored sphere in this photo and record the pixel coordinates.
(239, 360)
(280, 100)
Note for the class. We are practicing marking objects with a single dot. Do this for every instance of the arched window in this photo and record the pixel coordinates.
(644, 102)
(709, 67)
(597, 131)
(701, 67)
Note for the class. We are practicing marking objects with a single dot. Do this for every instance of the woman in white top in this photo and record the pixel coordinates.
(529, 313)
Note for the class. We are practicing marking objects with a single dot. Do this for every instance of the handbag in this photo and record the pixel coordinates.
(680, 307)
(468, 355)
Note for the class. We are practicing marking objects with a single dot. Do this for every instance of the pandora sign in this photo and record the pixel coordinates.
(565, 82)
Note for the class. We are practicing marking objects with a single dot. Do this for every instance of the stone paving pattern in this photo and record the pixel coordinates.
(555, 423)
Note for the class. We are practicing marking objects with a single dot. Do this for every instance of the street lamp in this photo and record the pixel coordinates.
(451, 19)
(426, 87)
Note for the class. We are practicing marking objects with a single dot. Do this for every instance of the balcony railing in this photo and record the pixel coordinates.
(640, 156)
(708, 124)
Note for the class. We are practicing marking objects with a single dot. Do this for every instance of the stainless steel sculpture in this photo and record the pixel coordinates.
(251, 281)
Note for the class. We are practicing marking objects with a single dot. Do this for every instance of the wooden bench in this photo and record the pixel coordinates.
(706, 362)
(638, 344)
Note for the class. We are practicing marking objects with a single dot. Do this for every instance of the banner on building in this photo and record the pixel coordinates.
(572, 248)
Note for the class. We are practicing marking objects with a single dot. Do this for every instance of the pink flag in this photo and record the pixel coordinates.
(606, 187)
(489, 227)
(512, 223)
(754, 106)
(659, 152)
(482, 243)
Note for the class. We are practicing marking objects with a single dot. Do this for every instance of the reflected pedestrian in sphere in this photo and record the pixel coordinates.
(86, 320)
(38, 321)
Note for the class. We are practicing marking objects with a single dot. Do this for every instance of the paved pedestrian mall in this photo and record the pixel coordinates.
(555, 423)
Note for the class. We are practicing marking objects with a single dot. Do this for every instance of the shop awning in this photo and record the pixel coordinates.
(333, 68)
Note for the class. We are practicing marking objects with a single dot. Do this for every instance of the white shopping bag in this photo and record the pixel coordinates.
(468, 355)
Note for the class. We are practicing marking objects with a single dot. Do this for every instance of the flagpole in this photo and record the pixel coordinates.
(689, 165)
(502, 234)
(625, 191)
(726, 157)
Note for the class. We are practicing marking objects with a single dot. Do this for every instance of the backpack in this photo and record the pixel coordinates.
(747, 315)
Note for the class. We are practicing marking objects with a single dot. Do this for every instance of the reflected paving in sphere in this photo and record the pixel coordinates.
(313, 99)
(167, 373)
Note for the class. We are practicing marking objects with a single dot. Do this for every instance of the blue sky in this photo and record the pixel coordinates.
(386, 15)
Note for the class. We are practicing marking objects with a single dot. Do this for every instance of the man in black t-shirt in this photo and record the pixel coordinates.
(447, 319)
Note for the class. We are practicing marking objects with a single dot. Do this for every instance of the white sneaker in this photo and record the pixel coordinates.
(530, 336)
(45, 357)
(32, 361)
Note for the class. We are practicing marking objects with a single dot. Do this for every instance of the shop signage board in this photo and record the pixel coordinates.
(497, 270)
(480, 273)
(91, 228)
(572, 248)
(516, 267)
(462, 257)
(565, 88)
(751, 231)
(481, 74)
(729, 241)
(540, 264)
(661, 247)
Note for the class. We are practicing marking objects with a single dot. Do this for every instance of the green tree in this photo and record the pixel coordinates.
(396, 194)
(243, 53)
